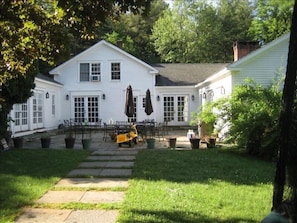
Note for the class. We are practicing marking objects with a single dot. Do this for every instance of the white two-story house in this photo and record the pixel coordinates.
(91, 87)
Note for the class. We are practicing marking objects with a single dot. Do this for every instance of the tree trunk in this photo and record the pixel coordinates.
(286, 116)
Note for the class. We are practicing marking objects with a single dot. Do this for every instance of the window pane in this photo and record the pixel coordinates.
(115, 71)
(84, 72)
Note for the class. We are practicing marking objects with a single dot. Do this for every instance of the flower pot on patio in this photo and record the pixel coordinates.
(195, 143)
(172, 143)
(69, 142)
(151, 143)
(211, 143)
(45, 142)
(18, 142)
(86, 143)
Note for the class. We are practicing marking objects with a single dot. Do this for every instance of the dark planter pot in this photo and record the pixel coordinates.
(211, 143)
(69, 143)
(45, 142)
(18, 142)
(172, 143)
(86, 143)
(195, 143)
(150, 143)
(8, 137)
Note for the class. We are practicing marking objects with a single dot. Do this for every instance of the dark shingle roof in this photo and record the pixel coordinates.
(47, 78)
(185, 74)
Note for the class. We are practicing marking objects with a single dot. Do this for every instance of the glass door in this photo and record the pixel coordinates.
(86, 109)
(176, 109)
(21, 118)
(37, 102)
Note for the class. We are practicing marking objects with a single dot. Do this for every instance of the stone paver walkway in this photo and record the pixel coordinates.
(92, 182)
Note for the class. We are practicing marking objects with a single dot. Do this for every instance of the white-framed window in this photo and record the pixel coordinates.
(115, 71)
(53, 105)
(89, 72)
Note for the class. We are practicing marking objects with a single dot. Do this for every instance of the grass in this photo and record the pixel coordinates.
(27, 174)
(198, 186)
(205, 186)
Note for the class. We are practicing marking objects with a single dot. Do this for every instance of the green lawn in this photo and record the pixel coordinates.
(27, 174)
(198, 186)
(214, 185)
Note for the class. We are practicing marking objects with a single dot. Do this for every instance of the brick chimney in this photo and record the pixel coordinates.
(242, 49)
(120, 44)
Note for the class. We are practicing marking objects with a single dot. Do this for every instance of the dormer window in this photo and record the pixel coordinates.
(90, 72)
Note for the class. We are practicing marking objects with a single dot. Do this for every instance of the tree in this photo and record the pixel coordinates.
(134, 31)
(272, 19)
(286, 173)
(197, 31)
(36, 30)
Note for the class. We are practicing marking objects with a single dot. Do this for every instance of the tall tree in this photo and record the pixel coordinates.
(134, 31)
(286, 165)
(197, 31)
(35, 30)
(272, 18)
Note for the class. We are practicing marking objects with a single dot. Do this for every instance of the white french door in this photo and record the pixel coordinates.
(21, 117)
(86, 109)
(176, 109)
(38, 107)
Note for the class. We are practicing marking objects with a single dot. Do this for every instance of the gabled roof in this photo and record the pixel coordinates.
(57, 69)
(179, 74)
(259, 51)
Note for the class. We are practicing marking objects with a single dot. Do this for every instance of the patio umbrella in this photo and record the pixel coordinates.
(148, 103)
(129, 105)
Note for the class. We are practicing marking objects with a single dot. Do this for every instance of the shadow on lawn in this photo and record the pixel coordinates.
(26, 174)
(202, 166)
(177, 217)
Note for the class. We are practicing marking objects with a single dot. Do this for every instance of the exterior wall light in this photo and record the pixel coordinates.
(47, 95)
(103, 96)
(158, 98)
(193, 97)
(67, 97)
(204, 95)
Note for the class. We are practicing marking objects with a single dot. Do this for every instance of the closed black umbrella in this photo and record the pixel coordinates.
(129, 105)
(148, 103)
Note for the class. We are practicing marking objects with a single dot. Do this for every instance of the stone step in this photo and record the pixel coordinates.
(100, 173)
(44, 215)
(110, 158)
(113, 164)
(115, 152)
(58, 197)
(93, 182)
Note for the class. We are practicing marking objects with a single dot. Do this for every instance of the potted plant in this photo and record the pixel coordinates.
(205, 118)
(45, 140)
(195, 143)
(150, 131)
(18, 142)
(86, 136)
(69, 137)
